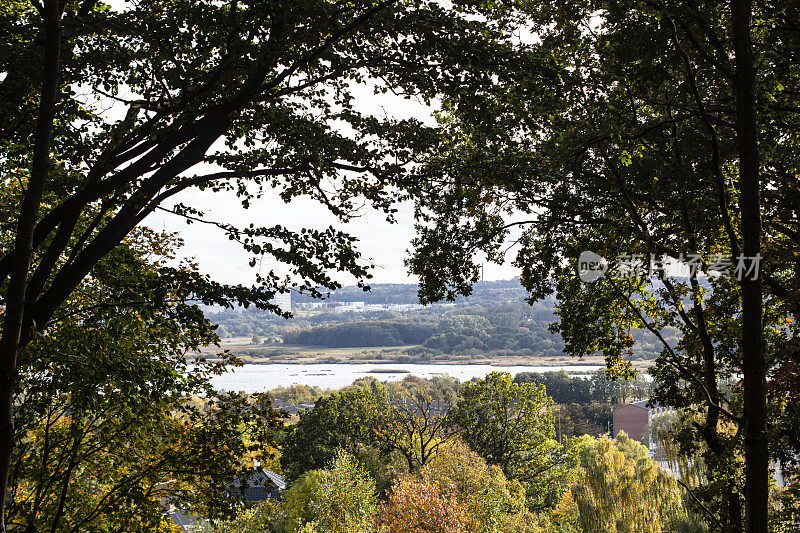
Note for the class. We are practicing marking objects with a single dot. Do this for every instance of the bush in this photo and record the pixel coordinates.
(262, 517)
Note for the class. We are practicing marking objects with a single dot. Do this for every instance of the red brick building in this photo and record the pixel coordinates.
(634, 419)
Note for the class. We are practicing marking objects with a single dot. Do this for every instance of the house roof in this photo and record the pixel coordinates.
(643, 404)
(184, 519)
(259, 485)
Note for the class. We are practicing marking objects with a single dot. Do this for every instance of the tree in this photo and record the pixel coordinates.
(339, 421)
(408, 422)
(563, 388)
(263, 516)
(338, 499)
(620, 489)
(702, 474)
(418, 424)
(488, 496)
(296, 394)
(417, 504)
(298, 500)
(563, 518)
(107, 431)
(646, 132)
(234, 96)
(560, 386)
(510, 425)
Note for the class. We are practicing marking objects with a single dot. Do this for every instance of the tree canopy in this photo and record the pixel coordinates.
(112, 424)
(666, 130)
(511, 425)
(110, 113)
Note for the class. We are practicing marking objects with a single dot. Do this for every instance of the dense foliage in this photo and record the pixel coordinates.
(651, 133)
(360, 334)
(596, 388)
(342, 420)
(338, 499)
(502, 473)
(108, 431)
(622, 491)
(659, 130)
(111, 112)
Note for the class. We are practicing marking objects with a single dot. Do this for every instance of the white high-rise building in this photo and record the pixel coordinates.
(284, 301)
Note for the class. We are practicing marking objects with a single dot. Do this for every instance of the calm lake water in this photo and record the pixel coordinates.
(260, 378)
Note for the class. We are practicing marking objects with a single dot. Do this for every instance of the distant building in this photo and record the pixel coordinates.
(634, 419)
(284, 301)
(403, 307)
(289, 408)
(350, 306)
(259, 485)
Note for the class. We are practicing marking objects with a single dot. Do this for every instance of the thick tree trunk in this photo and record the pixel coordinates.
(753, 363)
(23, 242)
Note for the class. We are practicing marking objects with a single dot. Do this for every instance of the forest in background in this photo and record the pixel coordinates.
(493, 321)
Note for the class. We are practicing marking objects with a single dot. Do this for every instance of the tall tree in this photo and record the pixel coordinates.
(417, 504)
(338, 499)
(651, 129)
(107, 430)
(489, 497)
(511, 425)
(417, 425)
(341, 421)
(754, 365)
(221, 96)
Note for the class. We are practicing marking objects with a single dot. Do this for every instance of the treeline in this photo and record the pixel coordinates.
(597, 388)
(586, 403)
(504, 330)
(248, 322)
(361, 334)
(509, 328)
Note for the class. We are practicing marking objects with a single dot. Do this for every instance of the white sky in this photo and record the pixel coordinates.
(384, 243)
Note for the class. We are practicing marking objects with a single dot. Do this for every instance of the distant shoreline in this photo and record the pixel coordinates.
(555, 363)
(475, 362)
(283, 354)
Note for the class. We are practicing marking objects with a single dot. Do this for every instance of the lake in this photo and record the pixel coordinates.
(263, 377)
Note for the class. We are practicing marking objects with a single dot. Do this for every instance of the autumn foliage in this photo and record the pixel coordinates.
(417, 504)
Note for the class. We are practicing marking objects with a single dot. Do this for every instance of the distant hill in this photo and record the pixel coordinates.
(494, 320)
(406, 293)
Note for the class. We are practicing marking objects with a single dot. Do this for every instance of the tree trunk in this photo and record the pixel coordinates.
(753, 363)
(23, 241)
